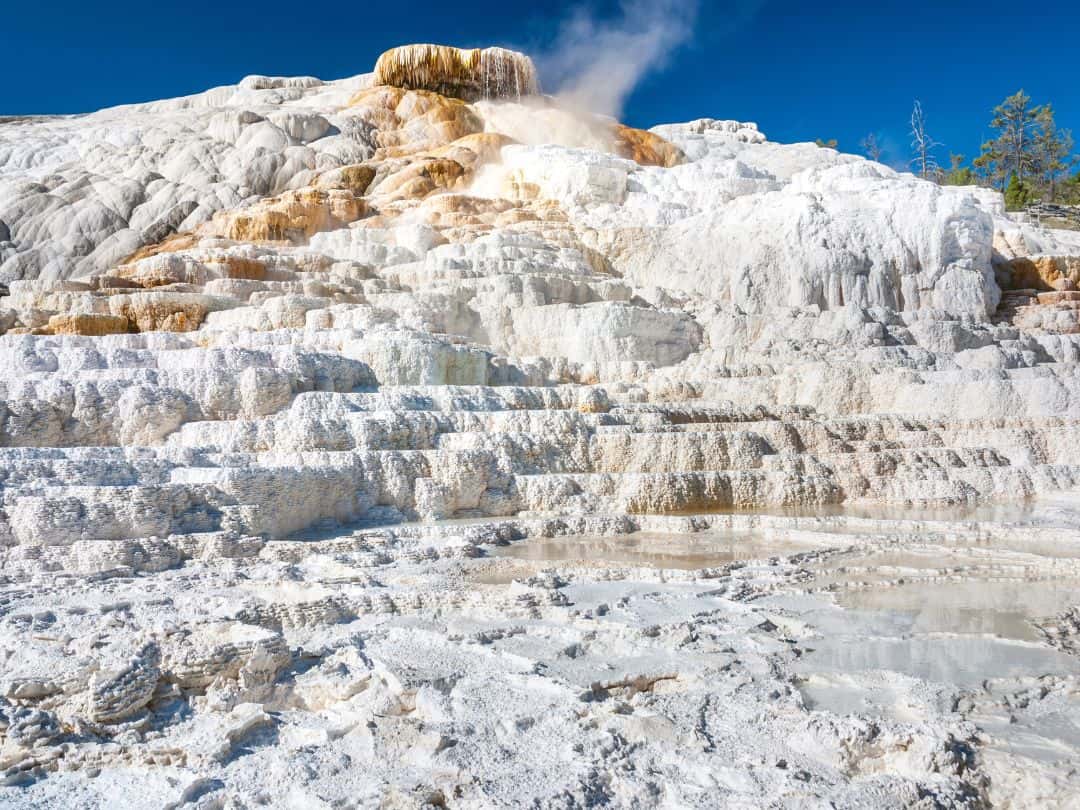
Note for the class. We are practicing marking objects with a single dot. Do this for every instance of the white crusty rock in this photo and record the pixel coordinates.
(414, 440)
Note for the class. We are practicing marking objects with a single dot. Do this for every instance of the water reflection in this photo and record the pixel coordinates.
(1061, 511)
(655, 549)
(964, 661)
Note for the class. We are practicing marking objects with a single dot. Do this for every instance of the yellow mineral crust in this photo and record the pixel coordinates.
(422, 177)
(159, 311)
(488, 73)
(294, 216)
(88, 324)
(1041, 272)
(133, 312)
(646, 148)
(474, 150)
(355, 178)
(171, 244)
(410, 121)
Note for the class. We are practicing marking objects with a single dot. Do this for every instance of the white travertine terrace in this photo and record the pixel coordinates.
(283, 364)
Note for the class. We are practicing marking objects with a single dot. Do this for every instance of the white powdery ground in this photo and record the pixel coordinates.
(569, 344)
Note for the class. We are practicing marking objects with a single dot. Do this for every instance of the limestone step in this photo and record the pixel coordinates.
(668, 493)
(586, 399)
(1060, 297)
(915, 462)
(25, 469)
(66, 515)
(964, 484)
(276, 494)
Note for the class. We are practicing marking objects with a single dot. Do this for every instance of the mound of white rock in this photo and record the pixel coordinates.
(258, 345)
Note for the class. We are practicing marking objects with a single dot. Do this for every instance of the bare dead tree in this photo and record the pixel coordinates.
(871, 147)
(923, 145)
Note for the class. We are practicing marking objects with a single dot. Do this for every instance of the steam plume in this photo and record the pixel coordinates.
(596, 63)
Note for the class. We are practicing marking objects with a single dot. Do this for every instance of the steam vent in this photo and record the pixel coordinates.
(471, 75)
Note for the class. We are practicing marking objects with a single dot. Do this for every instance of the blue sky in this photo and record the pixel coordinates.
(801, 70)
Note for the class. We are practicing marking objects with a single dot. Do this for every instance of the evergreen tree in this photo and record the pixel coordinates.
(829, 144)
(1013, 150)
(990, 167)
(1069, 190)
(1017, 195)
(959, 174)
(1052, 152)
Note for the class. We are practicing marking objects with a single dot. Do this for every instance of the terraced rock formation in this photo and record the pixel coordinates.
(286, 363)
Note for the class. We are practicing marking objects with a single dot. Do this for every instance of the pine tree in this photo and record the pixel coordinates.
(1017, 195)
(1069, 192)
(1017, 123)
(959, 174)
(1052, 152)
(989, 166)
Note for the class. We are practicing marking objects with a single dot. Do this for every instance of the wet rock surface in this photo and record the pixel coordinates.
(866, 661)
